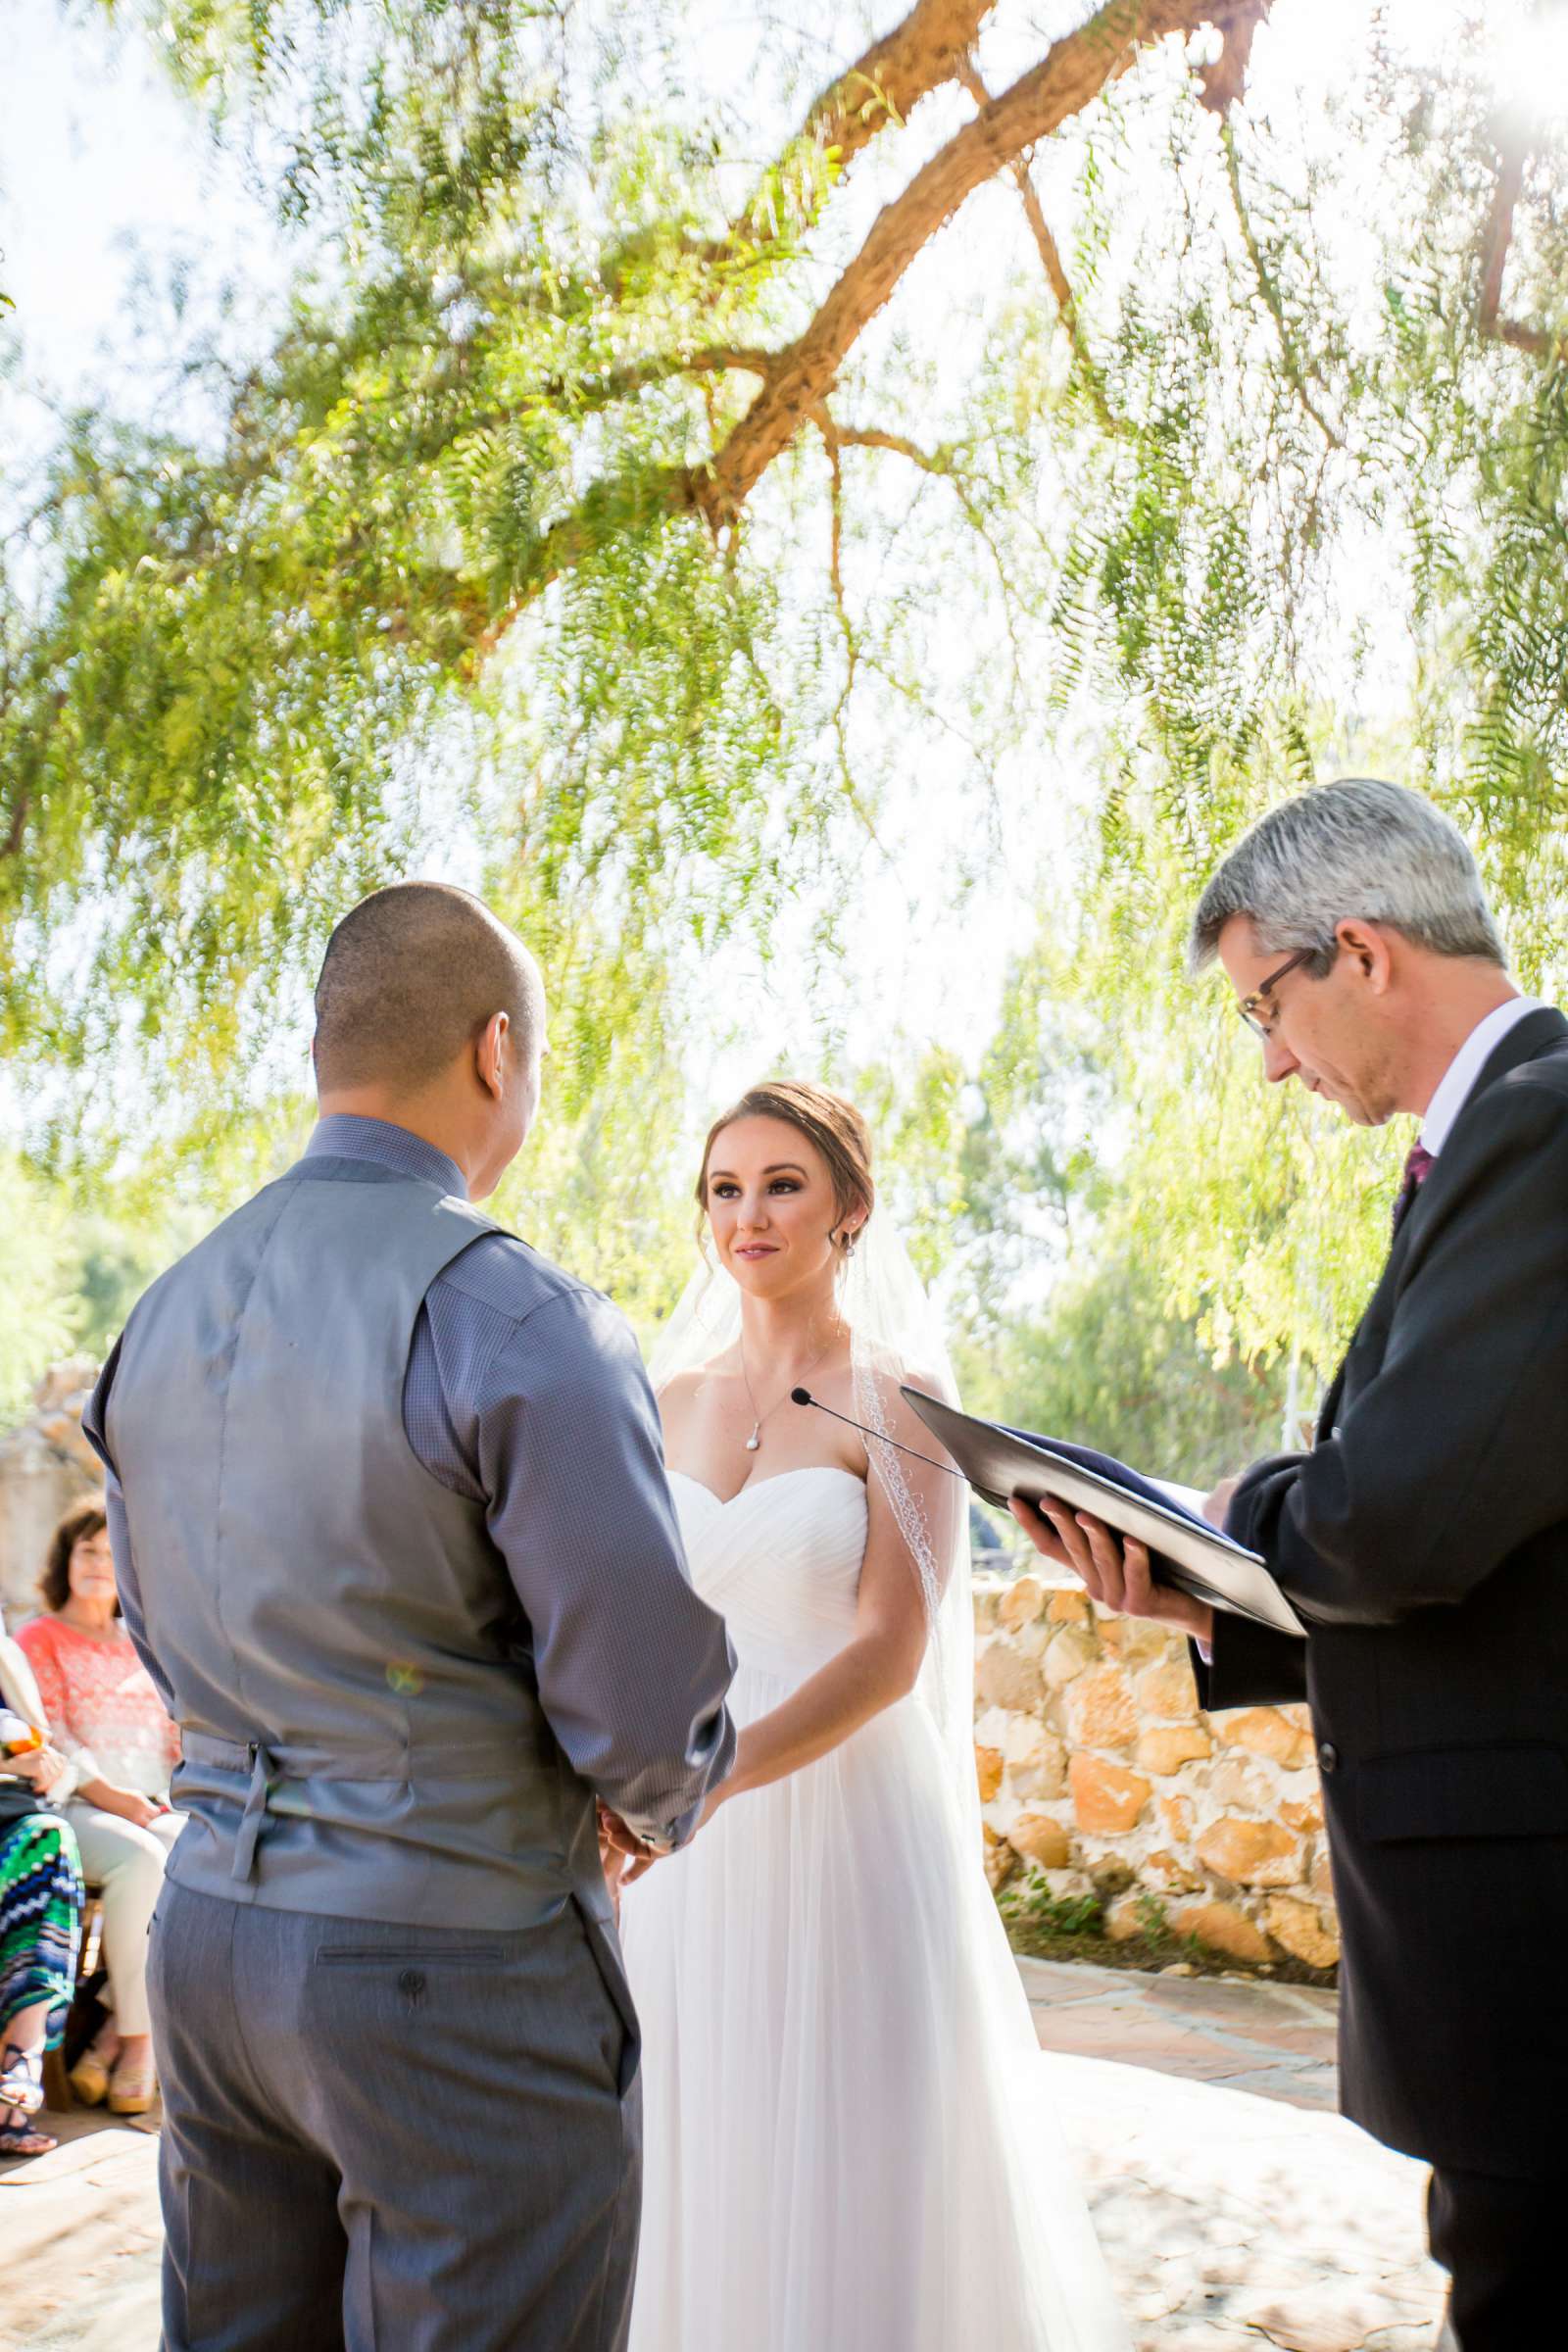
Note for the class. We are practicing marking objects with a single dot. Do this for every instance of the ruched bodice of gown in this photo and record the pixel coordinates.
(780, 1561)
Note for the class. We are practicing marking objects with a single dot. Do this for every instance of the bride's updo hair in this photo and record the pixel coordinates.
(826, 1120)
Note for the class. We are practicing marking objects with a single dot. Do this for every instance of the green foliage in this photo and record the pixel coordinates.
(244, 670)
(608, 1192)
(1101, 1362)
(36, 1283)
(1033, 1914)
(418, 581)
(1046, 1926)
(1263, 1212)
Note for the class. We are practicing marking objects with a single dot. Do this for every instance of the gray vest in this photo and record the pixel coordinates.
(363, 1734)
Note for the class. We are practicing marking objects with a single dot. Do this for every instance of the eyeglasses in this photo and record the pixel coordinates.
(1260, 1016)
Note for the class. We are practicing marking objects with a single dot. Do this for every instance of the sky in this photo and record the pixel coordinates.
(105, 175)
(105, 172)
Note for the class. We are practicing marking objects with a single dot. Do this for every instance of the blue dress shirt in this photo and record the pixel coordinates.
(542, 1413)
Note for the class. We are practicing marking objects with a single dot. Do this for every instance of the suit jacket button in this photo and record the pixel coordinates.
(1328, 1756)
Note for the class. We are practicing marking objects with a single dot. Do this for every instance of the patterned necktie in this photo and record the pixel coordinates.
(1418, 1167)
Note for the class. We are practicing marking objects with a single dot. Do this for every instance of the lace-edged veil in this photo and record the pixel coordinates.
(894, 1337)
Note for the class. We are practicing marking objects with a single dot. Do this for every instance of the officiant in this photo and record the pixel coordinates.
(1424, 1537)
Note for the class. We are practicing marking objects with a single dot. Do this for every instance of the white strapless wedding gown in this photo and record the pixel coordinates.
(846, 2138)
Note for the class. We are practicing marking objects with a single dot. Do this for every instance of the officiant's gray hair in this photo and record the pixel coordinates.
(1357, 848)
(411, 976)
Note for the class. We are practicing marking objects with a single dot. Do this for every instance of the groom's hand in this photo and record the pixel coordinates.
(1115, 1571)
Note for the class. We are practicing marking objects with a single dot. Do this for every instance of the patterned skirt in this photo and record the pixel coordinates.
(40, 1918)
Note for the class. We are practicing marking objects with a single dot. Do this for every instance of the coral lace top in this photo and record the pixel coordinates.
(105, 1716)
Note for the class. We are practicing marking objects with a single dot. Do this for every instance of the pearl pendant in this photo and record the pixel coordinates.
(754, 1443)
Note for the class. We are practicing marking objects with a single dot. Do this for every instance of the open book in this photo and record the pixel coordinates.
(1184, 1550)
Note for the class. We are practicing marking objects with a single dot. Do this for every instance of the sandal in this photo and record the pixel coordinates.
(20, 2080)
(89, 2080)
(89, 2077)
(19, 2138)
(132, 2089)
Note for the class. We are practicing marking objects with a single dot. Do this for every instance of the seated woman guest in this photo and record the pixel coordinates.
(40, 1907)
(119, 1749)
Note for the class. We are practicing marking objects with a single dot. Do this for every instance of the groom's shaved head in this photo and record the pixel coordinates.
(411, 976)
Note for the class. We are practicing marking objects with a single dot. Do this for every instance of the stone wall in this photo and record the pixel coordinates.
(44, 1464)
(1098, 1765)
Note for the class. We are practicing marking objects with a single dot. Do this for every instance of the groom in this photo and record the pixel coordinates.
(393, 1537)
(1425, 1538)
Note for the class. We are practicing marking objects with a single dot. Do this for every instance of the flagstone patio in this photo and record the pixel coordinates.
(1236, 2208)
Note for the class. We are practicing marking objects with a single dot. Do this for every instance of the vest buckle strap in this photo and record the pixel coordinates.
(263, 1775)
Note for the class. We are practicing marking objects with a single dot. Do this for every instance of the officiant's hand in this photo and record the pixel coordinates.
(1113, 1571)
(1216, 1504)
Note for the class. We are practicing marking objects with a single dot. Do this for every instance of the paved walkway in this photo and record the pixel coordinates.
(1235, 2207)
(1275, 2040)
(80, 2238)
(1238, 2211)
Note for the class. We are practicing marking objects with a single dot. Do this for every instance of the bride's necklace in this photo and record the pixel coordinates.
(754, 1443)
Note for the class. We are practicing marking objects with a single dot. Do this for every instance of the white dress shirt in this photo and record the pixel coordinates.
(1457, 1083)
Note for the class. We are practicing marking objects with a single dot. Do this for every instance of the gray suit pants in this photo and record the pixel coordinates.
(393, 2139)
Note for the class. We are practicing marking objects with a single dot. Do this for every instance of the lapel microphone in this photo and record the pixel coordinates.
(805, 1397)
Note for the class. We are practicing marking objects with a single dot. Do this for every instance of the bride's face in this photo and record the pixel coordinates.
(771, 1207)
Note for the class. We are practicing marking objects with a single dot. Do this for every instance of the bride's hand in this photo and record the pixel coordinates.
(610, 1862)
(1113, 1571)
(622, 1856)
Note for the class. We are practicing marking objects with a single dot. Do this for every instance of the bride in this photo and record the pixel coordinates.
(846, 2142)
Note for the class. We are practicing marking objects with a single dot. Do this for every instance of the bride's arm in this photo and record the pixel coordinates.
(880, 1662)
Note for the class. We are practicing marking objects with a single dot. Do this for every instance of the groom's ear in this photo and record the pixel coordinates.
(490, 1055)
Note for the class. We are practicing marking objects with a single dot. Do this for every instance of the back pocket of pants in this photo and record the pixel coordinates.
(408, 1955)
(607, 1967)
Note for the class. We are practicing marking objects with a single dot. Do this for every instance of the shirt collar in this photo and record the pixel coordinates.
(344, 1135)
(1457, 1083)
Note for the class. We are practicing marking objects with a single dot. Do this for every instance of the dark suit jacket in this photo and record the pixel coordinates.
(1425, 1540)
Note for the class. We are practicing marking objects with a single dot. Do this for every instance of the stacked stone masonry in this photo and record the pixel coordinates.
(44, 1465)
(1098, 1765)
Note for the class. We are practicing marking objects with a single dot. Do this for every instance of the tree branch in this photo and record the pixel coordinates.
(939, 463)
(1040, 229)
(882, 87)
(1073, 73)
(1497, 238)
(835, 572)
(619, 504)
(1269, 291)
(642, 375)
(21, 810)
(850, 436)
(888, 82)
(1499, 235)
(1532, 339)
(798, 378)
(1050, 261)
(1222, 83)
